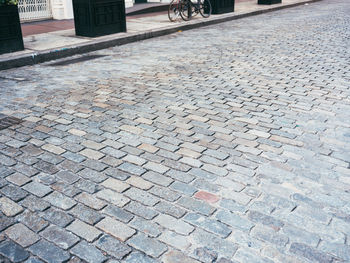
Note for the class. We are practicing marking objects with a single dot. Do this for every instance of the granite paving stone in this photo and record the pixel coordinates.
(88, 252)
(21, 235)
(13, 252)
(9, 207)
(84, 230)
(148, 245)
(225, 144)
(59, 236)
(115, 228)
(112, 246)
(49, 252)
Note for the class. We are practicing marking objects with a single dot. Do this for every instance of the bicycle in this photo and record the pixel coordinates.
(188, 9)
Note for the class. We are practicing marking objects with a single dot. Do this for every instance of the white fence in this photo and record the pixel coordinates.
(30, 10)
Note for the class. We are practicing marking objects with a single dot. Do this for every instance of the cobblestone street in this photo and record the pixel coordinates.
(228, 143)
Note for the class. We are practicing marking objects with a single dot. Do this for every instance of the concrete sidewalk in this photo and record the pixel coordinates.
(64, 43)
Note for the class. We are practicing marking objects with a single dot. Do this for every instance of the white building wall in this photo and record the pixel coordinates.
(62, 9)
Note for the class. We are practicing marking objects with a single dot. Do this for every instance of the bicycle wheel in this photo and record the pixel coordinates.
(186, 9)
(174, 11)
(205, 8)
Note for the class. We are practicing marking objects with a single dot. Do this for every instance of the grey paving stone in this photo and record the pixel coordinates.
(174, 224)
(138, 257)
(113, 197)
(59, 200)
(67, 176)
(13, 252)
(117, 174)
(269, 235)
(8, 207)
(84, 230)
(33, 260)
(147, 227)
(300, 235)
(21, 235)
(115, 228)
(5, 221)
(49, 252)
(233, 206)
(112, 246)
(57, 217)
(157, 178)
(46, 167)
(85, 214)
(92, 175)
(175, 256)
(183, 188)
(88, 252)
(38, 189)
(119, 213)
(208, 224)
(180, 176)
(13, 192)
(258, 217)
(214, 243)
(32, 221)
(87, 186)
(59, 236)
(65, 189)
(34, 203)
(309, 253)
(249, 255)
(170, 209)
(150, 246)
(77, 158)
(164, 193)
(269, 109)
(141, 196)
(202, 174)
(196, 206)
(205, 255)
(131, 168)
(141, 210)
(341, 251)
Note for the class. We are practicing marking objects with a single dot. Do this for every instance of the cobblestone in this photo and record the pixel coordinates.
(237, 152)
(49, 252)
(32, 221)
(84, 230)
(13, 252)
(150, 246)
(59, 236)
(8, 207)
(88, 252)
(112, 246)
(115, 228)
(174, 224)
(38, 189)
(21, 235)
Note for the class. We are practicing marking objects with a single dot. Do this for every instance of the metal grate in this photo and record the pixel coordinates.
(30, 10)
(7, 121)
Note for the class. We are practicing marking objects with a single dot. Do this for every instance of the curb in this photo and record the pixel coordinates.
(47, 55)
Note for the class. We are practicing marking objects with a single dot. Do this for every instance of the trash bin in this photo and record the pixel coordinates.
(222, 6)
(94, 18)
(11, 39)
(269, 2)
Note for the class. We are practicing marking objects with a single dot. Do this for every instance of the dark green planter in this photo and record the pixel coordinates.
(94, 18)
(11, 39)
(269, 2)
(222, 6)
